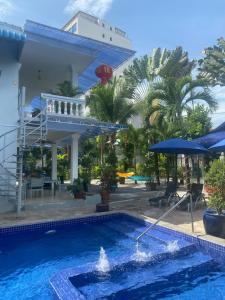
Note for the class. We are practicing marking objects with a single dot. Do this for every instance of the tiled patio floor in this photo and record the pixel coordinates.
(129, 197)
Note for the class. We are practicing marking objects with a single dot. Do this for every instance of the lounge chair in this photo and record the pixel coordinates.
(198, 198)
(170, 194)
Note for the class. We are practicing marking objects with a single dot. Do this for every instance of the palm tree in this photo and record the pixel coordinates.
(161, 63)
(112, 102)
(67, 89)
(169, 99)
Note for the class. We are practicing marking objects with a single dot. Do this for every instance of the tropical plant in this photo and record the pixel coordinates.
(130, 143)
(197, 121)
(67, 89)
(212, 66)
(111, 102)
(215, 179)
(170, 98)
(161, 63)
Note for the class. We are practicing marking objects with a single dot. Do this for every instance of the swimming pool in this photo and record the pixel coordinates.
(31, 256)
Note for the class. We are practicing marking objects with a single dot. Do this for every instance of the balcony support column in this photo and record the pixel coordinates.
(74, 76)
(54, 162)
(74, 157)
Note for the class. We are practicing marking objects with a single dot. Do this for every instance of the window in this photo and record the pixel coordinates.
(74, 28)
(110, 38)
(111, 28)
(103, 25)
(103, 35)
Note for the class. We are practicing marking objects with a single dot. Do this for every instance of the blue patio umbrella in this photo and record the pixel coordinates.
(178, 146)
(210, 139)
(218, 147)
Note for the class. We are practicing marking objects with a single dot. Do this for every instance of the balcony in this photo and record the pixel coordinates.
(64, 106)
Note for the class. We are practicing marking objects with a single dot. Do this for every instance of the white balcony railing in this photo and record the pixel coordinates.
(64, 106)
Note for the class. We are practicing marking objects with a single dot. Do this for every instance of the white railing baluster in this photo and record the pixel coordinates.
(72, 107)
(59, 108)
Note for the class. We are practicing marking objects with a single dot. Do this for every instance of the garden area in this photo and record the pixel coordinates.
(160, 96)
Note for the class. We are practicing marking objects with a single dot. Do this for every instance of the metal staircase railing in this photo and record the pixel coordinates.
(20, 139)
(184, 198)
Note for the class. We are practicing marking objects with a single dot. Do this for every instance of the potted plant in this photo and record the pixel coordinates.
(77, 189)
(105, 189)
(214, 218)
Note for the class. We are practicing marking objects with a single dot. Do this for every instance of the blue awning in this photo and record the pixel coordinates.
(210, 139)
(102, 53)
(86, 127)
(11, 32)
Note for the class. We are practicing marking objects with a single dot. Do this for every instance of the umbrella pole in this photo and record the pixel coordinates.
(175, 167)
(187, 171)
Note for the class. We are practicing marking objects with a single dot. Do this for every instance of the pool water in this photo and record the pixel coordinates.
(29, 260)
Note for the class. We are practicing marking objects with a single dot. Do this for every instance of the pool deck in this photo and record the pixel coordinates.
(129, 198)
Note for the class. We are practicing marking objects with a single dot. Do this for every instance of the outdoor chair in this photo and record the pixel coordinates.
(198, 197)
(169, 196)
(36, 186)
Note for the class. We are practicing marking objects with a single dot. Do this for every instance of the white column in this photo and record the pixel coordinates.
(74, 157)
(54, 162)
(74, 76)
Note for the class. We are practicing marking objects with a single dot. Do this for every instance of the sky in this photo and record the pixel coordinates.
(192, 24)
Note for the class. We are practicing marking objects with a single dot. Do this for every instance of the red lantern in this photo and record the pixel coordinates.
(104, 72)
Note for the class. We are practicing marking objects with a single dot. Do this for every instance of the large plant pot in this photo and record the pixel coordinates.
(102, 207)
(80, 195)
(214, 224)
(122, 180)
(151, 186)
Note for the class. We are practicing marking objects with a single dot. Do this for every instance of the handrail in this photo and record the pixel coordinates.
(21, 126)
(188, 194)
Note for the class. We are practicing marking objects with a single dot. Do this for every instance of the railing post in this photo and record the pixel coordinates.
(77, 109)
(53, 106)
(70, 109)
(59, 108)
(191, 212)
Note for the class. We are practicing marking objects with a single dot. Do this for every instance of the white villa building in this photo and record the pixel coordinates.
(33, 60)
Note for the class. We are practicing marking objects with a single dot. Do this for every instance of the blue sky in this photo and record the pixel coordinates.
(193, 24)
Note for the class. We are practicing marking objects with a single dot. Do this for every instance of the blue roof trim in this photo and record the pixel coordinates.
(86, 127)
(103, 53)
(12, 32)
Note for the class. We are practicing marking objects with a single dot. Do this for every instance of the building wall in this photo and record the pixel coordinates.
(92, 27)
(9, 68)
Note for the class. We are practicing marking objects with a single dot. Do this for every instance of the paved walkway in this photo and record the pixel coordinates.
(129, 197)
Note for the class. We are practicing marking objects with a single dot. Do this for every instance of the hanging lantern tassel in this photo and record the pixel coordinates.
(104, 72)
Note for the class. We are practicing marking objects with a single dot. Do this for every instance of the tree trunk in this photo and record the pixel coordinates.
(156, 159)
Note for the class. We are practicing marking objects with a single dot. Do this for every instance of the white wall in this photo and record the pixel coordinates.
(96, 30)
(48, 80)
(9, 67)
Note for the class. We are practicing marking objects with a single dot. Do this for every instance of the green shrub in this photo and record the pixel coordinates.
(215, 179)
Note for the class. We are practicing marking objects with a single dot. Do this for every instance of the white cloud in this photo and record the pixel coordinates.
(96, 7)
(6, 8)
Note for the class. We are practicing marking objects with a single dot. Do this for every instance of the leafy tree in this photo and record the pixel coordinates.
(160, 63)
(111, 102)
(197, 122)
(212, 66)
(170, 98)
(130, 143)
(67, 89)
